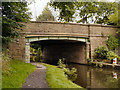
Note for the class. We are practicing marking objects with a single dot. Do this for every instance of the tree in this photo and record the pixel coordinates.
(105, 9)
(46, 15)
(86, 10)
(115, 19)
(66, 10)
(12, 14)
(97, 12)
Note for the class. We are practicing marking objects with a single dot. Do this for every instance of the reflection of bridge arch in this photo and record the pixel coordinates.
(77, 48)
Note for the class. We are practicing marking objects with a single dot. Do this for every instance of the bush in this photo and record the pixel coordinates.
(118, 58)
(104, 53)
(5, 63)
(61, 63)
(71, 74)
(101, 52)
(111, 55)
(36, 54)
(112, 42)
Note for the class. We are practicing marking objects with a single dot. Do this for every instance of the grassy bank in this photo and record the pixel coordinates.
(57, 79)
(16, 75)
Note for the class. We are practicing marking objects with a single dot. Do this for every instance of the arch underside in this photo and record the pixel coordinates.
(54, 48)
(39, 38)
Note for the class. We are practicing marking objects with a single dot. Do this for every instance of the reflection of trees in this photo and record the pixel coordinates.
(81, 74)
(105, 78)
(97, 76)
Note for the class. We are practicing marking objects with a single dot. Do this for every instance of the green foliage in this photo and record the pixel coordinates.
(33, 56)
(118, 58)
(114, 18)
(46, 15)
(39, 54)
(104, 53)
(111, 55)
(99, 64)
(36, 52)
(18, 73)
(66, 9)
(12, 13)
(89, 61)
(105, 9)
(101, 52)
(5, 63)
(57, 79)
(71, 74)
(112, 43)
(85, 11)
(61, 63)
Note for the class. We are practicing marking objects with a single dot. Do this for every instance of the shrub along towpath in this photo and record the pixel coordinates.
(37, 79)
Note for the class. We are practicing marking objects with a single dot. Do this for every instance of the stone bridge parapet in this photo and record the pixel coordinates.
(93, 34)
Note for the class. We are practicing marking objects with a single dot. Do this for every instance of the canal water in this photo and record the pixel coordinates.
(92, 77)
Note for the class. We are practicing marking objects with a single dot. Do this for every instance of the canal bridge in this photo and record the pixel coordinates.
(73, 41)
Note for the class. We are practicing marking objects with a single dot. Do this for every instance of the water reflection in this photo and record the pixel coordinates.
(91, 77)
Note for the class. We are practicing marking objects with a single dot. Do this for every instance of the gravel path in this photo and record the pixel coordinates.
(36, 79)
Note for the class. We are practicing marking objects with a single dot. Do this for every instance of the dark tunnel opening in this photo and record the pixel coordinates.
(53, 50)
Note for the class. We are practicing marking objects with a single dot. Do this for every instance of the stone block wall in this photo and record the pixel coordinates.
(102, 31)
(56, 29)
(96, 42)
(17, 49)
(97, 34)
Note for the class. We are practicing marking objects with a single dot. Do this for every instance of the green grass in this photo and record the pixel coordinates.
(17, 74)
(57, 79)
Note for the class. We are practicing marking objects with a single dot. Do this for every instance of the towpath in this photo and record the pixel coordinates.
(37, 79)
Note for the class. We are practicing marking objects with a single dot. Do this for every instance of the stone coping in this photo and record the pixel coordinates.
(53, 22)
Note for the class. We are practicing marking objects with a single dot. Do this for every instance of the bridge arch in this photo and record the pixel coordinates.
(77, 44)
(31, 38)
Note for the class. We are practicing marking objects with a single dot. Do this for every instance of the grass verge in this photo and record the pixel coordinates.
(17, 74)
(57, 79)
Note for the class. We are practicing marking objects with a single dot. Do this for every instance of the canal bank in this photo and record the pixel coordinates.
(100, 64)
(56, 78)
(106, 65)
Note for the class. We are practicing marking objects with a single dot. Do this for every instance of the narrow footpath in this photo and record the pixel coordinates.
(37, 79)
